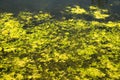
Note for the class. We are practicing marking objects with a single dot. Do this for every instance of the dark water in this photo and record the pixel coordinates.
(55, 6)
(36, 5)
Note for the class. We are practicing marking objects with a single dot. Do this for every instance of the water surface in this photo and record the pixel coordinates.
(56, 6)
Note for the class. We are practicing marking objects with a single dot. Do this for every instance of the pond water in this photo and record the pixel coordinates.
(55, 6)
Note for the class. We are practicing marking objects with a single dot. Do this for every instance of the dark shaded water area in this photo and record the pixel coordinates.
(56, 6)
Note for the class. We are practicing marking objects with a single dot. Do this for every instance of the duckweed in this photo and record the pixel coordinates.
(39, 47)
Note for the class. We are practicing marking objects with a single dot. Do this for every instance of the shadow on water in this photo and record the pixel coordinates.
(56, 6)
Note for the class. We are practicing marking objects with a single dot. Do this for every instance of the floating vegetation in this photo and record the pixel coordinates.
(35, 46)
